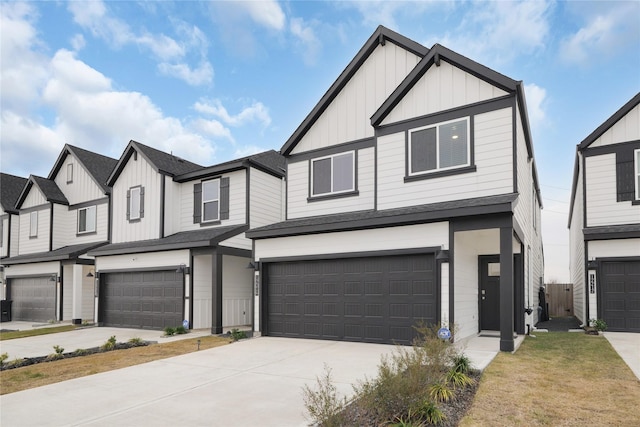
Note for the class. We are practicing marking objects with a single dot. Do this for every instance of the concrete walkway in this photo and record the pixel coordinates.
(627, 345)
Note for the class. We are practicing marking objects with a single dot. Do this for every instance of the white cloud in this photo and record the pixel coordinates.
(310, 44)
(213, 128)
(78, 42)
(248, 150)
(607, 32)
(267, 13)
(536, 98)
(203, 74)
(257, 112)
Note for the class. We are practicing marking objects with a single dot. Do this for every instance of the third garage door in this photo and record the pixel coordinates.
(142, 300)
(372, 299)
(621, 295)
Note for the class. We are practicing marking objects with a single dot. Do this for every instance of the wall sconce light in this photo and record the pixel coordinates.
(90, 273)
(254, 265)
(442, 255)
(53, 278)
(182, 268)
(592, 264)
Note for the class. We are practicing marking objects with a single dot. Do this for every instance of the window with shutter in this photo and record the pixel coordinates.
(438, 147)
(135, 203)
(211, 200)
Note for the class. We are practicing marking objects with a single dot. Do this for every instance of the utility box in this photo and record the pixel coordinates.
(5, 308)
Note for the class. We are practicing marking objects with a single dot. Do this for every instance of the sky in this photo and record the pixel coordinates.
(213, 81)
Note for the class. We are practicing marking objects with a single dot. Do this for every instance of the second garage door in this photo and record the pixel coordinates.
(372, 299)
(34, 298)
(621, 295)
(142, 300)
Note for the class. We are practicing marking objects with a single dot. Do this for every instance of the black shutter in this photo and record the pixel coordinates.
(224, 198)
(128, 205)
(625, 185)
(197, 203)
(141, 202)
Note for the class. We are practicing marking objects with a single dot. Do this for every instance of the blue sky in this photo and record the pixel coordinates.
(211, 81)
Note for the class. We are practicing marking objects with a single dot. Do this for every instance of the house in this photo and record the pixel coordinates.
(604, 222)
(60, 219)
(178, 249)
(10, 188)
(412, 196)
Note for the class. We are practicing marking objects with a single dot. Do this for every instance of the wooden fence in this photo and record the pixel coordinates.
(559, 299)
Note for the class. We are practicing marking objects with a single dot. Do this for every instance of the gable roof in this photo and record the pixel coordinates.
(270, 162)
(10, 188)
(60, 254)
(163, 163)
(379, 37)
(623, 111)
(98, 166)
(47, 187)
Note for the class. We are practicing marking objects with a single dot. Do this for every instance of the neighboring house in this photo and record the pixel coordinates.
(178, 250)
(412, 196)
(604, 222)
(10, 188)
(61, 217)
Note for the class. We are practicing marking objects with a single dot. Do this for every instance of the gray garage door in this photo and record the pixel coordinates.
(34, 299)
(621, 295)
(141, 300)
(373, 299)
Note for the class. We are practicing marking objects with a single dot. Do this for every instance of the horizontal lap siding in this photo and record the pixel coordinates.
(142, 260)
(493, 159)
(40, 243)
(442, 88)
(576, 247)
(266, 199)
(626, 129)
(298, 190)
(347, 117)
(602, 205)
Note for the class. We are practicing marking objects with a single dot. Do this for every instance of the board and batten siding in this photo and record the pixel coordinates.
(626, 129)
(136, 173)
(465, 290)
(439, 89)
(34, 198)
(493, 159)
(298, 190)
(82, 188)
(379, 239)
(30, 245)
(602, 205)
(65, 226)
(576, 250)
(265, 204)
(202, 277)
(237, 201)
(347, 118)
(4, 218)
(237, 291)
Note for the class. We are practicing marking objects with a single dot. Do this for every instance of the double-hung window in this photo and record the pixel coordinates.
(134, 203)
(637, 172)
(211, 200)
(438, 147)
(33, 224)
(87, 220)
(69, 173)
(333, 174)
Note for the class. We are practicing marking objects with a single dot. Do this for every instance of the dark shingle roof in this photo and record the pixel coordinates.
(64, 253)
(50, 189)
(386, 218)
(268, 161)
(166, 162)
(271, 160)
(98, 165)
(11, 187)
(188, 239)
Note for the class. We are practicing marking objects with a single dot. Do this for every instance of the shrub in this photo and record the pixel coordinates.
(461, 363)
(3, 357)
(440, 392)
(431, 413)
(599, 324)
(135, 341)
(459, 379)
(109, 345)
(181, 330)
(169, 331)
(323, 405)
(237, 334)
(58, 353)
(80, 352)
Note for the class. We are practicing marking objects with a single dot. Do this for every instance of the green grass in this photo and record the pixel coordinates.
(35, 332)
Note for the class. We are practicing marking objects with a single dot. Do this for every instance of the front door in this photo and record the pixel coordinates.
(489, 292)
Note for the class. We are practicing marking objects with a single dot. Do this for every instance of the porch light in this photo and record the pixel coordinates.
(442, 255)
(182, 268)
(592, 264)
(90, 273)
(53, 278)
(254, 265)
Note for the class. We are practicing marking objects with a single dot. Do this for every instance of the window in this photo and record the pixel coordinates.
(69, 173)
(439, 147)
(135, 203)
(211, 200)
(87, 220)
(333, 174)
(637, 173)
(33, 224)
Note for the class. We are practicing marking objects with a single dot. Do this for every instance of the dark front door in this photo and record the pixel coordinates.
(490, 292)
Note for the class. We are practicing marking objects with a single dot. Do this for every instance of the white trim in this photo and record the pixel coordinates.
(87, 223)
(437, 127)
(134, 214)
(69, 173)
(332, 157)
(204, 183)
(33, 224)
(636, 160)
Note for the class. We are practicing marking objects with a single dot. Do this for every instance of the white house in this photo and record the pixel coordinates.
(178, 250)
(10, 188)
(604, 222)
(61, 218)
(412, 196)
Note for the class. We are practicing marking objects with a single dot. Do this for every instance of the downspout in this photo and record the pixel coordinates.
(9, 235)
(51, 228)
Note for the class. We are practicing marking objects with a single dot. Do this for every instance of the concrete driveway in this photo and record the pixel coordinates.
(255, 382)
(627, 345)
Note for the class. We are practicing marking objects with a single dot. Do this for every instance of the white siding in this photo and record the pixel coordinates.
(237, 287)
(298, 190)
(237, 201)
(82, 188)
(202, 276)
(442, 88)
(379, 239)
(29, 245)
(614, 248)
(142, 260)
(465, 290)
(37, 269)
(88, 300)
(239, 242)
(67, 293)
(493, 159)
(602, 206)
(173, 206)
(5, 233)
(34, 198)
(65, 226)
(576, 248)
(347, 118)
(626, 129)
(136, 172)
(15, 235)
(265, 205)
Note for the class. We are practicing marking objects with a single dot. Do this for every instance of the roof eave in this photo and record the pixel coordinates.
(622, 111)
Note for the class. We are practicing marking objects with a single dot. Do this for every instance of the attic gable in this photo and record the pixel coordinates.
(381, 37)
(11, 187)
(99, 167)
(631, 125)
(47, 188)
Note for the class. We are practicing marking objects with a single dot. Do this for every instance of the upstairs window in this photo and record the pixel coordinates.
(135, 203)
(211, 200)
(87, 220)
(439, 147)
(637, 173)
(69, 173)
(33, 224)
(333, 174)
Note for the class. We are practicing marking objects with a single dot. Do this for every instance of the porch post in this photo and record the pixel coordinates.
(506, 289)
(76, 305)
(216, 292)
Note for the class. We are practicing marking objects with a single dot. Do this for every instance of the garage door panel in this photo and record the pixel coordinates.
(620, 287)
(34, 298)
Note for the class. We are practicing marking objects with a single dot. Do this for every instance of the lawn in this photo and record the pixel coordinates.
(9, 335)
(557, 379)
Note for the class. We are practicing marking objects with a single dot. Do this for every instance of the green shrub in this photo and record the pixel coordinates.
(323, 405)
(237, 334)
(459, 379)
(80, 352)
(181, 330)
(599, 324)
(461, 363)
(431, 413)
(440, 392)
(135, 341)
(109, 345)
(169, 331)
(3, 357)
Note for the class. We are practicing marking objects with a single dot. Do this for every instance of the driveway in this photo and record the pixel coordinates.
(249, 383)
